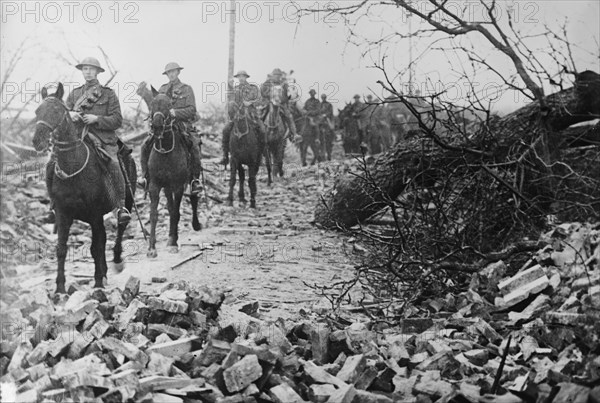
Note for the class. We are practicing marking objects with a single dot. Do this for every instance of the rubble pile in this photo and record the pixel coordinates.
(530, 336)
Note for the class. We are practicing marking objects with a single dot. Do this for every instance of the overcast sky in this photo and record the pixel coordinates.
(141, 37)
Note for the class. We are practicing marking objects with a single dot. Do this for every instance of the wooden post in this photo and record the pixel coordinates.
(231, 51)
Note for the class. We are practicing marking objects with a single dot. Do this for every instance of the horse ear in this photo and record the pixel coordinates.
(44, 92)
(60, 91)
(154, 92)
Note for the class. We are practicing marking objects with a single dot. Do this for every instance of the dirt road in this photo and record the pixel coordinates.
(270, 254)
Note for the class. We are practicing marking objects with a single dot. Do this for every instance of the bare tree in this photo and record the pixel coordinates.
(462, 190)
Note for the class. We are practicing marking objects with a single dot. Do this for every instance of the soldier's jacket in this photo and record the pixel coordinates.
(312, 106)
(266, 88)
(246, 93)
(106, 107)
(184, 101)
(326, 109)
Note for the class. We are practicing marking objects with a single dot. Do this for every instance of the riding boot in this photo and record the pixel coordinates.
(225, 143)
(144, 156)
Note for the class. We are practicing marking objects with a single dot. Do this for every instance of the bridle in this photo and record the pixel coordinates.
(167, 127)
(59, 146)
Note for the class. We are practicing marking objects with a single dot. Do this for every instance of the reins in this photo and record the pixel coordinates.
(65, 146)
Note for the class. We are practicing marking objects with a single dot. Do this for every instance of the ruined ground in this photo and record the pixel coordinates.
(270, 254)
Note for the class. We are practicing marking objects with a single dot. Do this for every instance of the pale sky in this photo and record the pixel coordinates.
(141, 37)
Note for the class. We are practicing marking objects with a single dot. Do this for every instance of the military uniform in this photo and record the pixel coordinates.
(266, 91)
(326, 110)
(184, 107)
(95, 99)
(312, 106)
(249, 93)
(103, 132)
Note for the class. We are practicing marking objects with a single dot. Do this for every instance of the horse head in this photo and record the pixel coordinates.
(159, 109)
(53, 122)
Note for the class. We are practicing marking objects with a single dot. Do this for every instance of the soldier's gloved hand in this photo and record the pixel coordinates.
(89, 119)
(75, 116)
(172, 112)
(297, 139)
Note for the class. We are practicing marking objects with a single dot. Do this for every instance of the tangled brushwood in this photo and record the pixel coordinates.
(444, 204)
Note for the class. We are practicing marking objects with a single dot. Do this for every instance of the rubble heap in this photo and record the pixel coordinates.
(529, 336)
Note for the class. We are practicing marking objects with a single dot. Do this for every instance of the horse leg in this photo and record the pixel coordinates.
(232, 179)
(268, 162)
(173, 204)
(303, 150)
(196, 225)
(118, 263)
(154, 197)
(63, 225)
(279, 154)
(98, 250)
(252, 170)
(330, 139)
(242, 175)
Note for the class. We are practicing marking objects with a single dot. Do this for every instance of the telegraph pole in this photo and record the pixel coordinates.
(231, 51)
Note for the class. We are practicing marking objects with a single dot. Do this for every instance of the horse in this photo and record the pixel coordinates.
(276, 139)
(169, 168)
(74, 185)
(308, 129)
(351, 135)
(246, 148)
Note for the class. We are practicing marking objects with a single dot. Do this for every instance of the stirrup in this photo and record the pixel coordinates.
(195, 190)
(123, 215)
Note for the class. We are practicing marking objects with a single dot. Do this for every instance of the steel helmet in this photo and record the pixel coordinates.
(242, 73)
(172, 66)
(90, 61)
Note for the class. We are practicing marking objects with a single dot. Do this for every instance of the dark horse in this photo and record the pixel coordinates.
(276, 140)
(169, 168)
(77, 187)
(245, 148)
(351, 135)
(308, 129)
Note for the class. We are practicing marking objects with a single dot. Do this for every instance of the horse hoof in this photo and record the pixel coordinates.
(196, 225)
(230, 203)
(252, 204)
(173, 249)
(119, 267)
(152, 254)
(243, 201)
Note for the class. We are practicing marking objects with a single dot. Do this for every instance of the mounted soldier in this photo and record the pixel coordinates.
(275, 91)
(97, 109)
(184, 112)
(327, 125)
(245, 97)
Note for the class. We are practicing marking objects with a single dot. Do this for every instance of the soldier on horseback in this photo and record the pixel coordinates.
(312, 106)
(184, 112)
(274, 84)
(97, 108)
(245, 97)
